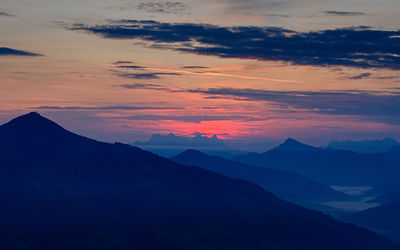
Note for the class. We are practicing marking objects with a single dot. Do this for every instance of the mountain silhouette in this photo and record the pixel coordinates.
(59, 190)
(292, 144)
(366, 146)
(284, 184)
(327, 166)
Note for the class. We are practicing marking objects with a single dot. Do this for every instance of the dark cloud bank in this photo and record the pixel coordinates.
(360, 47)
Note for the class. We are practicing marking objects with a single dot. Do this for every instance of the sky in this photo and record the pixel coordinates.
(251, 71)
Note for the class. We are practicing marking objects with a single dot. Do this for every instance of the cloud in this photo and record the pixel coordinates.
(344, 13)
(379, 106)
(253, 7)
(279, 15)
(142, 73)
(122, 62)
(360, 76)
(5, 13)
(143, 76)
(191, 118)
(4, 51)
(195, 67)
(101, 108)
(376, 106)
(140, 86)
(163, 7)
(130, 67)
(148, 86)
(368, 75)
(190, 70)
(359, 47)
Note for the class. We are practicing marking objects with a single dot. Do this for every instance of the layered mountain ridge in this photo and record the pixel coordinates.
(60, 190)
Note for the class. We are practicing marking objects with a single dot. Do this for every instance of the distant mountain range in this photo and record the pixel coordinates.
(64, 191)
(170, 144)
(286, 185)
(328, 166)
(365, 146)
(172, 140)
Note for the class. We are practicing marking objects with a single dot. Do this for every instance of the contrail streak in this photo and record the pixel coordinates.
(224, 75)
(218, 74)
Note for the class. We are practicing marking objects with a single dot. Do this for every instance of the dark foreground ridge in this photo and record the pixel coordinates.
(63, 191)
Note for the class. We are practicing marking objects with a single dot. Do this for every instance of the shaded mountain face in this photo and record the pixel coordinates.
(284, 184)
(328, 166)
(386, 186)
(59, 190)
(387, 198)
(384, 219)
(385, 192)
(393, 154)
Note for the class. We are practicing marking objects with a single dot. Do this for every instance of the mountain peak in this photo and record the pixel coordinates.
(29, 117)
(292, 144)
(34, 114)
(33, 129)
(291, 141)
(31, 121)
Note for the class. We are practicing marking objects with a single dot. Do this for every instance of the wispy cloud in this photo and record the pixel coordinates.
(143, 76)
(149, 86)
(122, 62)
(129, 70)
(360, 47)
(375, 105)
(368, 75)
(101, 108)
(344, 13)
(4, 51)
(195, 67)
(130, 67)
(191, 118)
(188, 70)
(360, 76)
(164, 7)
(278, 15)
(253, 7)
(5, 13)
